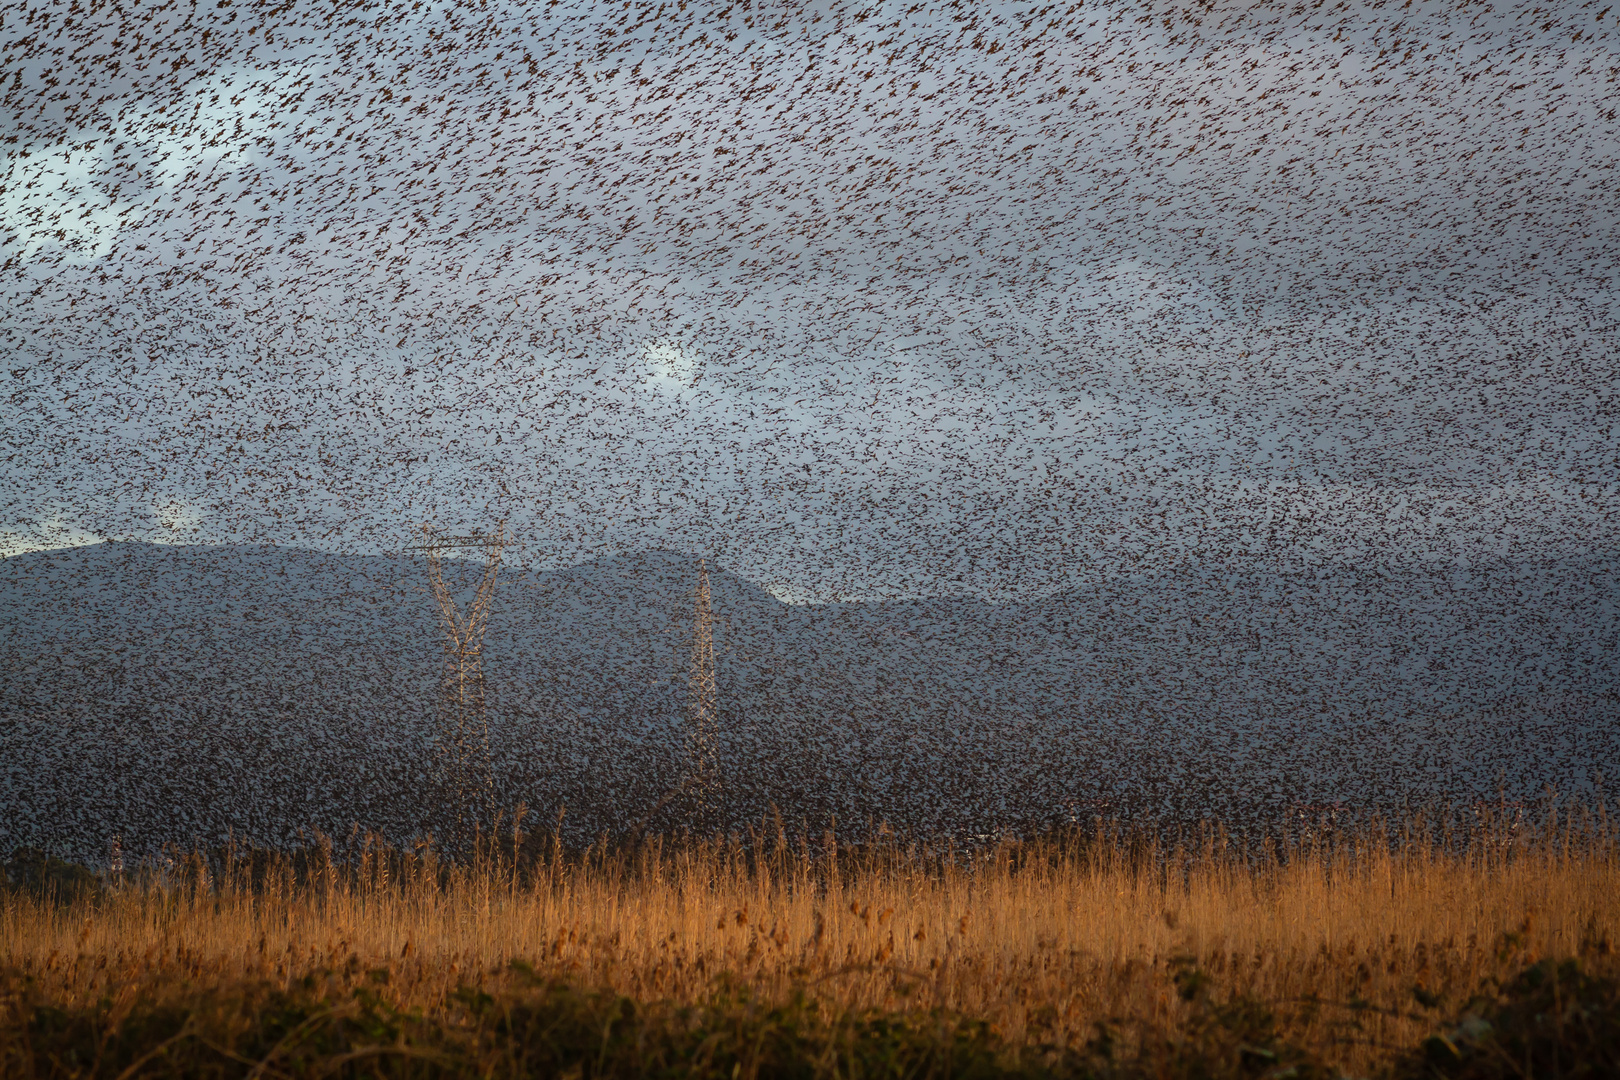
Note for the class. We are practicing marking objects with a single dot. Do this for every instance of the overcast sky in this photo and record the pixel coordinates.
(861, 300)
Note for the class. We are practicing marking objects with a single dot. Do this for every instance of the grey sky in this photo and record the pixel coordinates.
(864, 300)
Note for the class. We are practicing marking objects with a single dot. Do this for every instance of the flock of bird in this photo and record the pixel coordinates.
(1010, 317)
(165, 692)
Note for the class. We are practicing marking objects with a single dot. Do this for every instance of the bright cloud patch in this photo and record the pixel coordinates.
(50, 203)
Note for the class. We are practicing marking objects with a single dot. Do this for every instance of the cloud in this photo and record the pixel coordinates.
(178, 522)
(626, 288)
(50, 203)
(672, 368)
(219, 121)
(47, 534)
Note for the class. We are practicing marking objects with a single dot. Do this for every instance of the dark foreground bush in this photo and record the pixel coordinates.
(32, 871)
(555, 1031)
(551, 1029)
(1552, 1020)
(1557, 1019)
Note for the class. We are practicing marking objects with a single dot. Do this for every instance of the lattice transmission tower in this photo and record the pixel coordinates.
(463, 722)
(702, 720)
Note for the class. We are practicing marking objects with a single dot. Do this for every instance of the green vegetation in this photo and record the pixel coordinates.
(1555, 1019)
(32, 870)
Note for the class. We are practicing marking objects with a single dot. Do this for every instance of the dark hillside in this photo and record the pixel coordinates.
(167, 692)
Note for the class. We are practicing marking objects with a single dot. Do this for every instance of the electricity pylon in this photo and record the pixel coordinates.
(463, 735)
(701, 734)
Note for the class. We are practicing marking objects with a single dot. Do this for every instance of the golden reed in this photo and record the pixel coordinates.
(1045, 940)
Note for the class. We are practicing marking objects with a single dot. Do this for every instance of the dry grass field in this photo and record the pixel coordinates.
(1092, 954)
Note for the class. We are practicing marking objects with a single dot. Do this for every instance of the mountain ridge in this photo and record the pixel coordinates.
(157, 690)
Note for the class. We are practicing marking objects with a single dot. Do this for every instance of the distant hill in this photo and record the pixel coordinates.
(169, 692)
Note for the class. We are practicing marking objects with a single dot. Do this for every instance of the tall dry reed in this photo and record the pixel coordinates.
(1050, 941)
